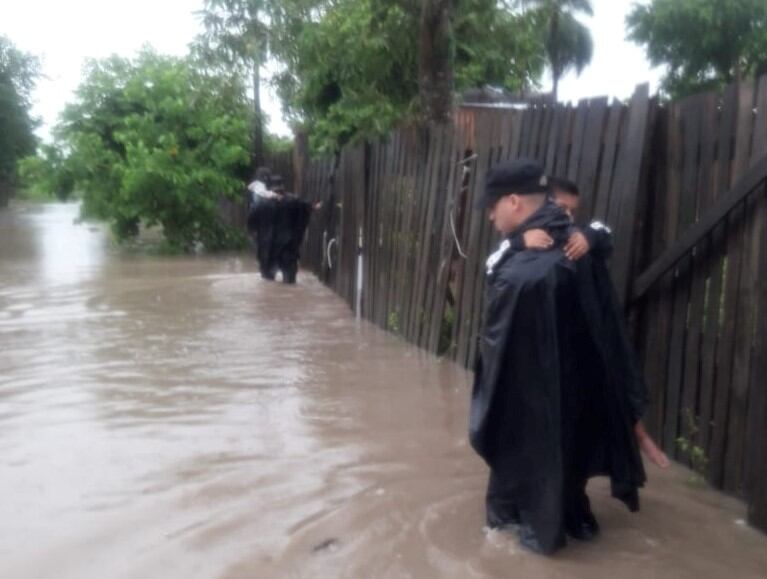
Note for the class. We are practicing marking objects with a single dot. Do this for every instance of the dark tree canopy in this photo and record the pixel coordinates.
(350, 68)
(704, 43)
(18, 73)
(235, 40)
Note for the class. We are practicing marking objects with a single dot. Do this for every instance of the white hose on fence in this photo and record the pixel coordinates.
(330, 259)
(358, 308)
(358, 304)
(455, 235)
(462, 163)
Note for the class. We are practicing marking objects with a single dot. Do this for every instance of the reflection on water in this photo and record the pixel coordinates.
(179, 418)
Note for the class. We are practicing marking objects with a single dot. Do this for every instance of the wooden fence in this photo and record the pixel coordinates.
(409, 198)
(702, 330)
(686, 260)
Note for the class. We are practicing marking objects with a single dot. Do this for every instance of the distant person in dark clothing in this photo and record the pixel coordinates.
(291, 220)
(279, 221)
(261, 218)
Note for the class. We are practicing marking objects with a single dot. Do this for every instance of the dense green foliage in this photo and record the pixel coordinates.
(704, 43)
(234, 42)
(153, 141)
(18, 73)
(47, 174)
(350, 67)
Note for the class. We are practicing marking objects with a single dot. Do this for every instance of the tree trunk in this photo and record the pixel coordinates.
(300, 160)
(258, 121)
(436, 60)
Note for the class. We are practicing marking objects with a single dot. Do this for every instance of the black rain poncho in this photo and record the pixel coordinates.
(556, 391)
(279, 225)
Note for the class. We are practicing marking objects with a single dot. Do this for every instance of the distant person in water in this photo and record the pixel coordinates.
(291, 220)
(261, 216)
(279, 220)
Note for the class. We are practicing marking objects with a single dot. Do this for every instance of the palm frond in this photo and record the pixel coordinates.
(570, 46)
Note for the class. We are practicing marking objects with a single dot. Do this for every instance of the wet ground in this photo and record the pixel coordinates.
(180, 418)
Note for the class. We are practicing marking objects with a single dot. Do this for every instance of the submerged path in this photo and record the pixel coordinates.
(180, 418)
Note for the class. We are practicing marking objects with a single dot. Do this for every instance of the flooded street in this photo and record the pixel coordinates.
(177, 417)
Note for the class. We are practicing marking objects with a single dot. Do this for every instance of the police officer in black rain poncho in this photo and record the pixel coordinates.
(261, 220)
(278, 221)
(290, 222)
(555, 399)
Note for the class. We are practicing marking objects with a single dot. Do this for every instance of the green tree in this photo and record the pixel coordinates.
(568, 42)
(357, 70)
(497, 46)
(236, 40)
(153, 141)
(704, 43)
(350, 68)
(47, 174)
(18, 74)
(289, 20)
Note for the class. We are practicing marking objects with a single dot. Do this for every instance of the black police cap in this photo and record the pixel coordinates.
(520, 176)
(276, 182)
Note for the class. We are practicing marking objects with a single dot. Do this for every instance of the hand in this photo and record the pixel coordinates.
(318, 205)
(648, 447)
(577, 246)
(537, 239)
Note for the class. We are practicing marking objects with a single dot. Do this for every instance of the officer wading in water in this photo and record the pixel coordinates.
(557, 393)
(278, 221)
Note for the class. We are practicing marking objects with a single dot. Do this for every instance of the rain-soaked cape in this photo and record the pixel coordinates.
(261, 226)
(556, 390)
(279, 225)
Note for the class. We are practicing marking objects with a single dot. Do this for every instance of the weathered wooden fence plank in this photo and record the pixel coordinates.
(755, 461)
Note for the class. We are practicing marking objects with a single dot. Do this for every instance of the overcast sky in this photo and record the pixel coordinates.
(66, 32)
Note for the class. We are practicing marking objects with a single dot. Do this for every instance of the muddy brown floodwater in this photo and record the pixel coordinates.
(180, 418)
